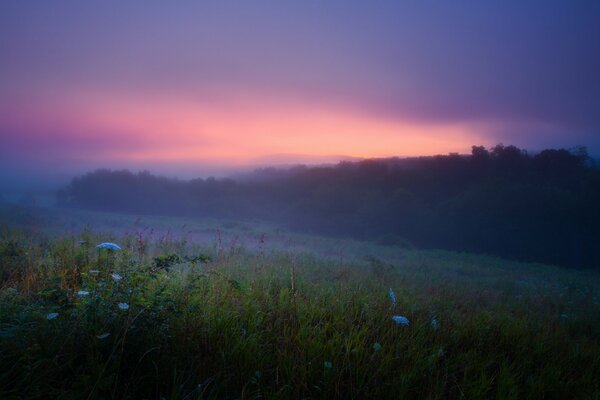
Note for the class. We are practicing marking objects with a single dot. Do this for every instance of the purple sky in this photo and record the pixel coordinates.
(191, 87)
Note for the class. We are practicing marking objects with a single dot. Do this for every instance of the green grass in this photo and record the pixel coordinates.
(280, 321)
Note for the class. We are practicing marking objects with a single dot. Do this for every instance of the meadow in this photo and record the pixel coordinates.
(209, 309)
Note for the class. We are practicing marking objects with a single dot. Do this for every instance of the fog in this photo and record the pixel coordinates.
(501, 201)
(299, 200)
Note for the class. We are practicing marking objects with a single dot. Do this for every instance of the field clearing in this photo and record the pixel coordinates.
(207, 309)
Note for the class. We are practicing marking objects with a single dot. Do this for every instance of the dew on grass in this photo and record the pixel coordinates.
(123, 306)
(109, 245)
(400, 320)
(51, 316)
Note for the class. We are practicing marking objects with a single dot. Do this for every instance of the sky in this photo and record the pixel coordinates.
(192, 88)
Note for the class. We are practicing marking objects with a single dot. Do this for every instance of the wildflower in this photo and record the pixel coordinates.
(109, 245)
(400, 320)
(51, 316)
(377, 346)
(103, 335)
(434, 324)
(328, 365)
(123, 306)
(392, 298)
(82, 293)
(116, 277)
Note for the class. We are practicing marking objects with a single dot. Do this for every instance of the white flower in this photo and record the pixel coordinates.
(82, 292)
(123, 306)
(116, 277)
(51, 316)
(109, 245)
(400, 320)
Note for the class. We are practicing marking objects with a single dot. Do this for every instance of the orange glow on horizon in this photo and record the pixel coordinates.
(241, 133)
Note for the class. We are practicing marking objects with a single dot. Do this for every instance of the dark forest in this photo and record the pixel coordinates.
(501, 201)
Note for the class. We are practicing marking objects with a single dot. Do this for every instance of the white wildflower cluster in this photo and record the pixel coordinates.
(109, 246)
(51, 316)
(82, 293)
(116, 277)
(399, 319)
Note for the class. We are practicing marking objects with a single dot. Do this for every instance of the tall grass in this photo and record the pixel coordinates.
(211, 322)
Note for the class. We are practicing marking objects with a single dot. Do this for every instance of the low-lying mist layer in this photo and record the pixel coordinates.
(500, 201)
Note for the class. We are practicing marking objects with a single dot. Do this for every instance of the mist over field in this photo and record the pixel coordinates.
(504, 202)
(299, 200)
(469, 275)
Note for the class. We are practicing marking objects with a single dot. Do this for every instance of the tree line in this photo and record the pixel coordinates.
(503, 201)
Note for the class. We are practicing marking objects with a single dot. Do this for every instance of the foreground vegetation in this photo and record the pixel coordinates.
(170, 318)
